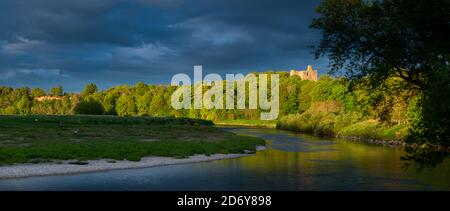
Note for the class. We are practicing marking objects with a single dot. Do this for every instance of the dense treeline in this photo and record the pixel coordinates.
(326, 107)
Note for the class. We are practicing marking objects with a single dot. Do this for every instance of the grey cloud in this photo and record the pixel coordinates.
(113, 42)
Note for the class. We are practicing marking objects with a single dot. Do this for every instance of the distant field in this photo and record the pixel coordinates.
(51, 138)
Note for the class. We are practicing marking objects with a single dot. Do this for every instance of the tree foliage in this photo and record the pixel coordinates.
(382, 38)
(89, 89)
(89, 106)
(402, 38)
(56, 91)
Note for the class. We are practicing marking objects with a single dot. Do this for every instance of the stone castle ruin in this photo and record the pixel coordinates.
(308, 74)
(44, 98)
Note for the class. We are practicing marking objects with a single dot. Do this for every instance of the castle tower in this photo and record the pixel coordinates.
(308, 74)
(312, 74)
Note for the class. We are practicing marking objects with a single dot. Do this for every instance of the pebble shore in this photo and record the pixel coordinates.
(47, 169)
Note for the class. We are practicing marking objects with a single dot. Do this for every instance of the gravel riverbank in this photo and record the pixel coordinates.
(47, 169)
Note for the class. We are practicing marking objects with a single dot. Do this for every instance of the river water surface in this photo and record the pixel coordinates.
(290, 162)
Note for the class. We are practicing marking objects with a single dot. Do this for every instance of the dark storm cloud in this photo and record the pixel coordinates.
(45, 42)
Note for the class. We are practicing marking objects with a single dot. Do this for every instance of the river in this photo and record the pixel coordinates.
(290, 162)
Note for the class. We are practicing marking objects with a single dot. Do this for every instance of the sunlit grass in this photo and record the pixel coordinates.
(48, 138)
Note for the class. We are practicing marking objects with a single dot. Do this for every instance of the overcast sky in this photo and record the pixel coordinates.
(44, 43)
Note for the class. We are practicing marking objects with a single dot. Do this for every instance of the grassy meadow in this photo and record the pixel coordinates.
(33, 139)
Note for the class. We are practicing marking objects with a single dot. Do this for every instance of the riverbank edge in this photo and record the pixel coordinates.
(259, 124)
(101, 165)
(360, 139)
(391, 143)
(272, 125)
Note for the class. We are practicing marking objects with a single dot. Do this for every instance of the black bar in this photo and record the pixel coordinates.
(169, 200)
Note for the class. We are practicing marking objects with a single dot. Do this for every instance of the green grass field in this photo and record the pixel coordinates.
(35, 139)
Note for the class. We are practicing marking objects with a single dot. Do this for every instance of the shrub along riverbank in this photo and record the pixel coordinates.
(338, 126)
(51, 138)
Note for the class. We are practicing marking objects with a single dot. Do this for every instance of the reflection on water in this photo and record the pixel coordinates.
(291, 162)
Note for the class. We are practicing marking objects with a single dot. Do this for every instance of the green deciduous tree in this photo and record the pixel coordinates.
(24, 105)
(90, 106)
(402, 38)
(126, 105)
(37, 92)
(89, 89)
(382, 38)
(56, 91)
